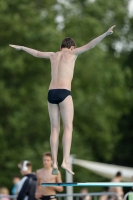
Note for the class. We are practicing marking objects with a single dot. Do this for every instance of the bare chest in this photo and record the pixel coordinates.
(47, 177)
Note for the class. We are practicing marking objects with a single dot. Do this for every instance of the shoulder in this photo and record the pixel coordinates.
(58, 176)
(23, 179)
(59, 173)
(38, 171)
(72, 54)
(21, 182)
(56, 53)
(53, 55)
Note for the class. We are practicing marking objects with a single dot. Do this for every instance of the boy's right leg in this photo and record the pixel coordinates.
(54, 115)
(67, 111)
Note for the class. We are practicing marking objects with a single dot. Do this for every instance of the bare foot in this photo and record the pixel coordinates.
(67, 167)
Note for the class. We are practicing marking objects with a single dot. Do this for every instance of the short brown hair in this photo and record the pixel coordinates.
(47, 154)
(67, 43)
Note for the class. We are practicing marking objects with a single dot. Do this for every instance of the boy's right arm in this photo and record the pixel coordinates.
(33, 52)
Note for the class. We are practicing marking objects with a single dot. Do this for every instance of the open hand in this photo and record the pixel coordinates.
(15, 47)
(110, 31)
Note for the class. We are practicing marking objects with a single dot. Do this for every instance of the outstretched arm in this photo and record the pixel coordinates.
(33, 52)
(93, 43)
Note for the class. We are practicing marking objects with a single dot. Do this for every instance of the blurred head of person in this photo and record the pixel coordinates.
(25, 167)
(16, 179)
(68, 43)
(4, 190)
(47, 160)
(118, 175)
(84, 191)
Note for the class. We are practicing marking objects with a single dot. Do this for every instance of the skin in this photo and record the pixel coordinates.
(117, 190)
(85, 192)
(62, 69)
(16, 180)
(44, 175)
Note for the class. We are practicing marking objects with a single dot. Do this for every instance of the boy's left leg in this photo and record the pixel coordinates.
(67, 112)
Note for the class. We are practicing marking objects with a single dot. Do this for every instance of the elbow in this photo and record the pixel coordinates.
(91, 45)
(36, 54)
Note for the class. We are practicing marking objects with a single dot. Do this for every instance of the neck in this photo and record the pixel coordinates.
(28, 172)
(47, 168)
(118, 179)
(65, 49)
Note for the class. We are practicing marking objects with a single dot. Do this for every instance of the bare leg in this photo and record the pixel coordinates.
(55, 130)
(66, 109)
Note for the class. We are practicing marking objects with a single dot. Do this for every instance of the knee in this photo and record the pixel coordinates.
(68, 127)
(55, 129)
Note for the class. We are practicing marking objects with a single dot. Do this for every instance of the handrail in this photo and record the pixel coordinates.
(74, 195)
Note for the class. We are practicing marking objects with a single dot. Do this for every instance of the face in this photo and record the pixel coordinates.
(22, 172)
(47, 161)
(16, 179)
(84, 191)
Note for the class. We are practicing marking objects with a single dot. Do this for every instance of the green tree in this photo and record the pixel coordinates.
(24, 121)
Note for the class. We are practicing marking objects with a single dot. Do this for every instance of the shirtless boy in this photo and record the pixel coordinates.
(118, 190)
(44, 175)
(59, 95)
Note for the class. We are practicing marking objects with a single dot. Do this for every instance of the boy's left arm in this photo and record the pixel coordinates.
(93, 43)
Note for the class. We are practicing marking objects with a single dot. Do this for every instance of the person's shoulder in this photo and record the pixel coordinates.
(114, 180)
(59, 174)
(39, 170)
(57, 52)
(21, 183)
(31, 175)
(23, 179)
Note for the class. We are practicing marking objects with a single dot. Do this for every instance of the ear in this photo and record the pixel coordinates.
(60, 48)
(72, 47)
